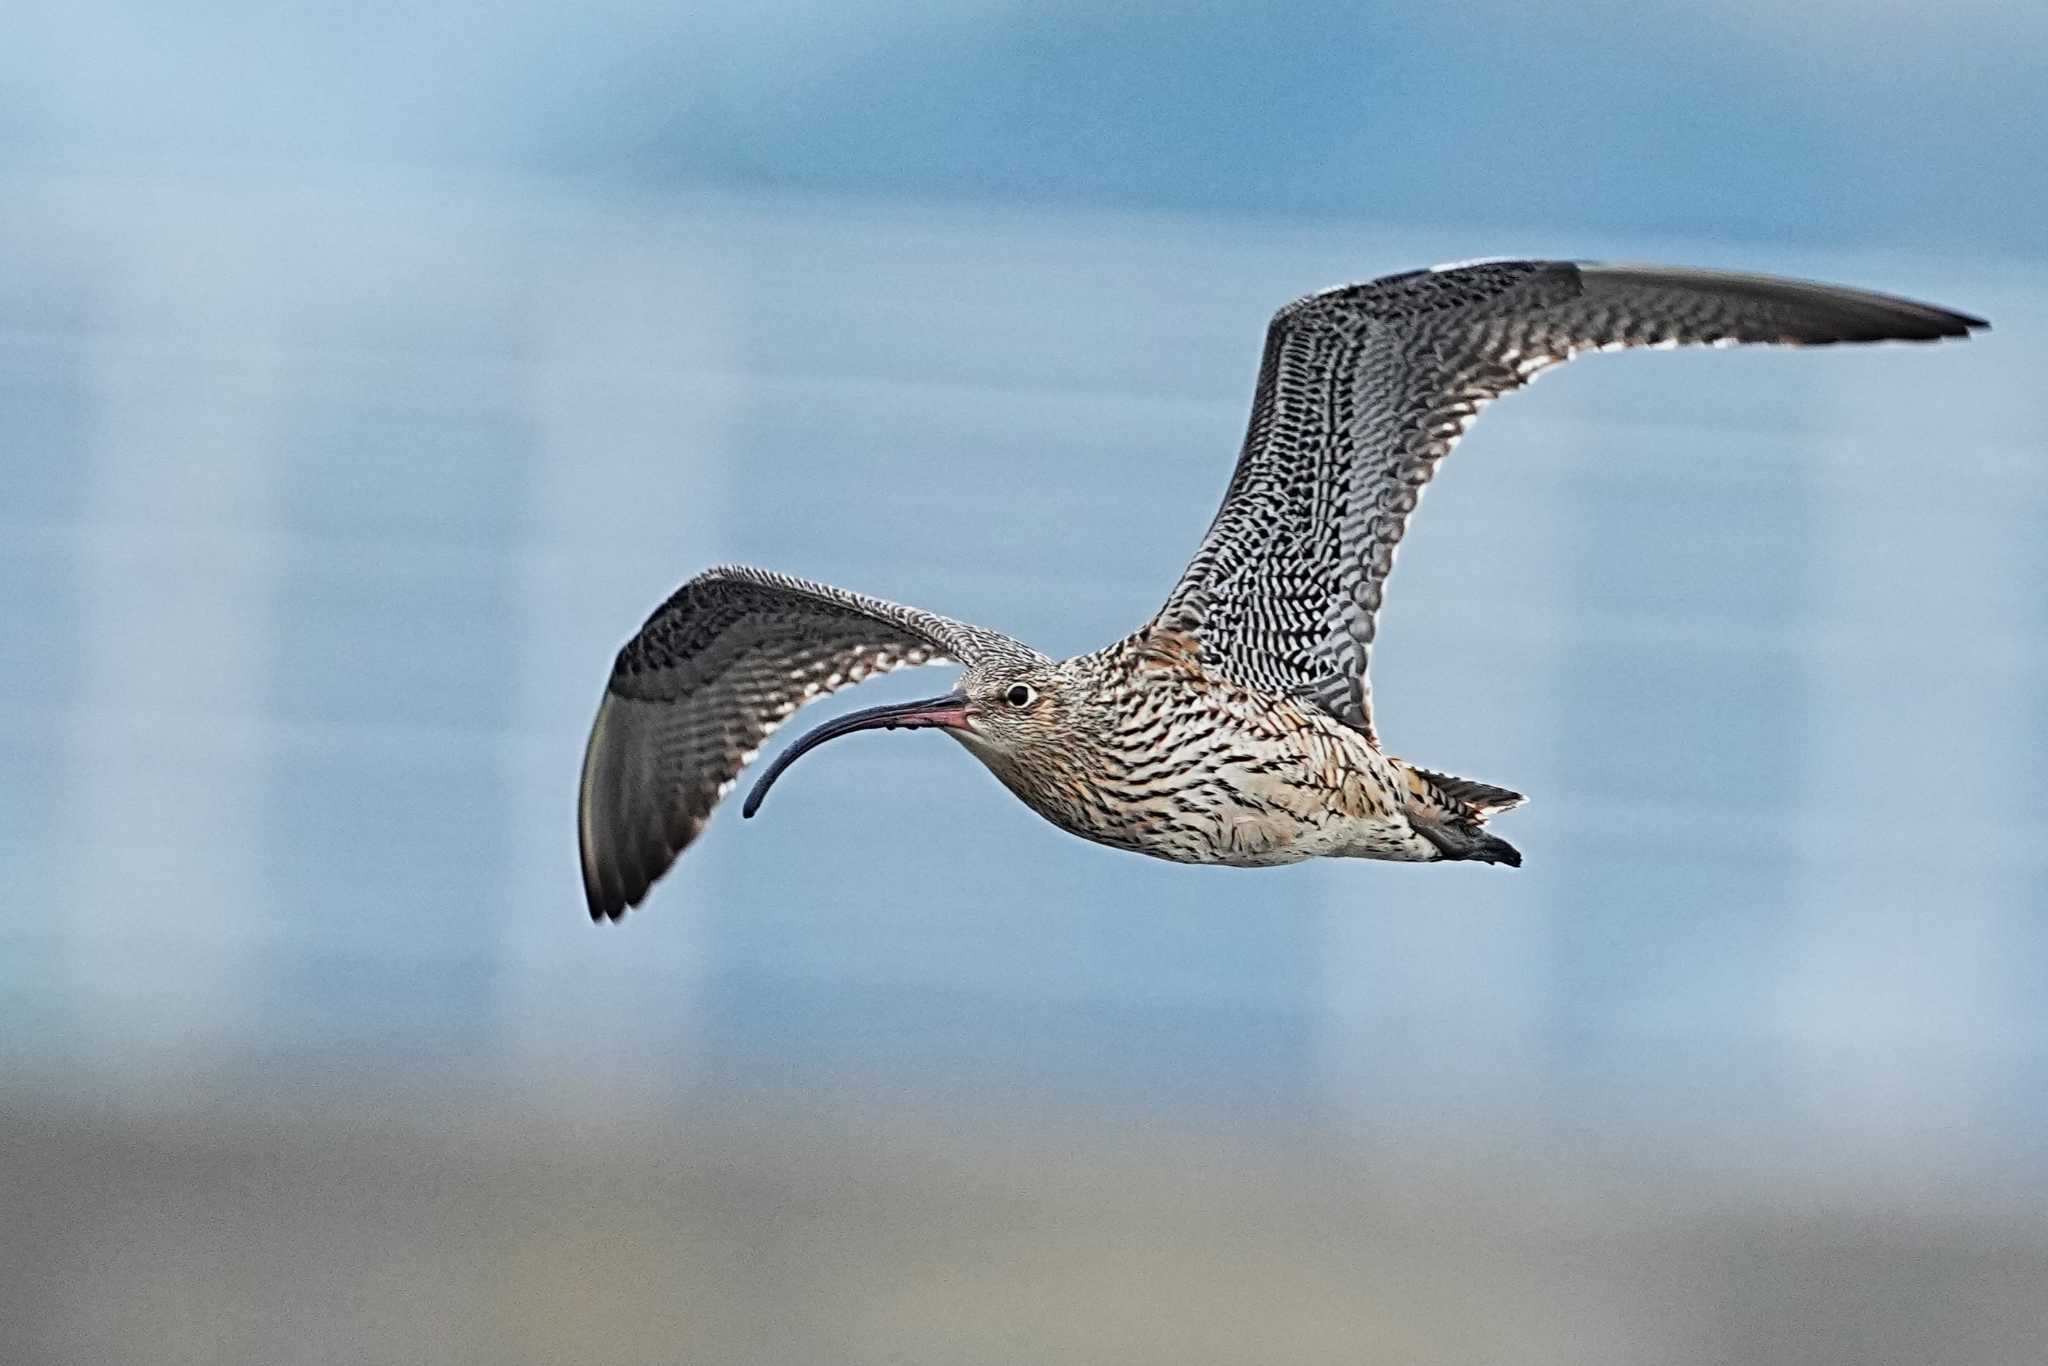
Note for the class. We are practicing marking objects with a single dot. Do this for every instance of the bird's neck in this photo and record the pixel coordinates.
(1093, 778)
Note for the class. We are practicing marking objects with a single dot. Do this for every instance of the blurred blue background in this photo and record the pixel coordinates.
(368, 373)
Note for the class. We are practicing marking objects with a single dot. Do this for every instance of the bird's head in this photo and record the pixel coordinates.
(1017, 716)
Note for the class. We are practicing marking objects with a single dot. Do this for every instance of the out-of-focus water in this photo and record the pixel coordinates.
(326, 505)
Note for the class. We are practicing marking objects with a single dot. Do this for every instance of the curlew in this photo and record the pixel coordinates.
(1235, 727)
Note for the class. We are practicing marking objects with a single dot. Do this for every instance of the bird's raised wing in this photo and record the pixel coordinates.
(1363, 390)
(714, 671)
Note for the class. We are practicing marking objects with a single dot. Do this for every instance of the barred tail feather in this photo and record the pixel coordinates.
(1484, 798)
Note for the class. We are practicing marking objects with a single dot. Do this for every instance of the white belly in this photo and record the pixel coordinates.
(1245, 819)
(1252, 840)
(1267, 781)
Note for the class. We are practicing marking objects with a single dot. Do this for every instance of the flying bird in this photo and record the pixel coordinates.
(1235, 727)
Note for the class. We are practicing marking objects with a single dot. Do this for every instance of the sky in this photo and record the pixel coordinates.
(1836, 122)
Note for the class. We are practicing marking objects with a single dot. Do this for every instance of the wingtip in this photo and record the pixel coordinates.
(1818, 313)
(609, 898)
(1947, 322)
(618, 867)
(604, 902)
(603, 905)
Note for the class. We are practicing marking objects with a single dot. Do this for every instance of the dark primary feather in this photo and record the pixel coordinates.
(714, 671)
(1365, 388)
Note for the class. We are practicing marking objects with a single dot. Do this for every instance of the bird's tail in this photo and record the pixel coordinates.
(1450, 812)
(1484, 798)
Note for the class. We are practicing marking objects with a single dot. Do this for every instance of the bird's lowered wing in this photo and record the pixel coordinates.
(1364, 388)
(714, 671)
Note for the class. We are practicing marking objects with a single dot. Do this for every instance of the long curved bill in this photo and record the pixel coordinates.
(949, 711)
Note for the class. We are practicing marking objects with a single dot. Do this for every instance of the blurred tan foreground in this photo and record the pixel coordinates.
(785, 1228)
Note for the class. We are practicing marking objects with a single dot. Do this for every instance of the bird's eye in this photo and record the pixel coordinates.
(1020, 695)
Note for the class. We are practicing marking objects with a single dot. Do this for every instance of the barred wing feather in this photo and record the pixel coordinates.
(692, 697)
(1365, 388)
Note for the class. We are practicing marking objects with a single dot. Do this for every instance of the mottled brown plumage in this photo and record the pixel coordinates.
(1237, 726)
